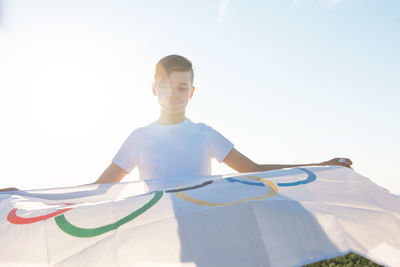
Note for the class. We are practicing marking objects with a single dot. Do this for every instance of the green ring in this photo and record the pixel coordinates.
(73, 230)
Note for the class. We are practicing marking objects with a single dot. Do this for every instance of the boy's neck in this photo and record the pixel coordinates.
(167, 119)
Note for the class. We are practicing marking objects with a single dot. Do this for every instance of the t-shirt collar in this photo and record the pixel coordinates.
(182, 123)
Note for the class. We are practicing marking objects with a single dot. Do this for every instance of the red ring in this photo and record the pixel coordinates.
(12, 216)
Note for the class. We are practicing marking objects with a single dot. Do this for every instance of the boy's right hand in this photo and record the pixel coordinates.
(8, 189)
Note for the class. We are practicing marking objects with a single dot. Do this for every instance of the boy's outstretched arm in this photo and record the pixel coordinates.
(241, 163)
(9, 189)
(113, 174)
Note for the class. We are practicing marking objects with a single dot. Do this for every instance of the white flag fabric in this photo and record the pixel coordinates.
(287, 217)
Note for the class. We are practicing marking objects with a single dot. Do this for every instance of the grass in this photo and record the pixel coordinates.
(348, 260)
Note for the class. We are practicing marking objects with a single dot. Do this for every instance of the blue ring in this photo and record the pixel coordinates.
(310, 178)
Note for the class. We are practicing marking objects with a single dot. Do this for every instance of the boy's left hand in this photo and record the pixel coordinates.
(345, 162)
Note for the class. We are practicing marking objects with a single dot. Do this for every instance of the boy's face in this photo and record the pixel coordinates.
(174, 91)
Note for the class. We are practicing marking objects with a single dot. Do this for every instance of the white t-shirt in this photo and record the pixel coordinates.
(183, 149)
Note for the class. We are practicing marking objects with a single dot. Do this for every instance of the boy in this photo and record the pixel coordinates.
(173, 146)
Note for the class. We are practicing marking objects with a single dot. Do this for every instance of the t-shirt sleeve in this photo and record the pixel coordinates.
(127, 156)
(219, 145)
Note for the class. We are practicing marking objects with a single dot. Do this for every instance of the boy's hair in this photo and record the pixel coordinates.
(171, 63)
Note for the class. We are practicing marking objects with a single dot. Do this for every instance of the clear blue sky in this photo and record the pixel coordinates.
(286, 81)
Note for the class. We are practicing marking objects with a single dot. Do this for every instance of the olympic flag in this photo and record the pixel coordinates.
(287, 217)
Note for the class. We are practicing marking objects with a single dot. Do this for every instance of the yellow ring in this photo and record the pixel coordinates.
(273, 190)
